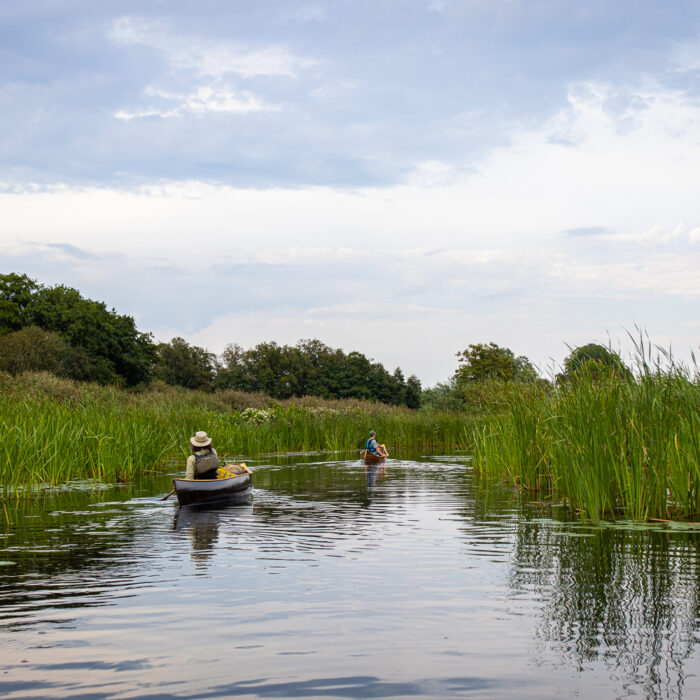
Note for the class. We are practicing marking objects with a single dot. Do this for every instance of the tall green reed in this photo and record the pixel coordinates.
(607, 446)
(53, 431)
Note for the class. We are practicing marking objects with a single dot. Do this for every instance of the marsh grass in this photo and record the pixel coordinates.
(54, 430)
(606, 446)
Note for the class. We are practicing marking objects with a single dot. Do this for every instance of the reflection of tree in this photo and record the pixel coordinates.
(628, 598)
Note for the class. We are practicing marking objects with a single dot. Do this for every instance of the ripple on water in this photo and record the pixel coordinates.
(405, 581)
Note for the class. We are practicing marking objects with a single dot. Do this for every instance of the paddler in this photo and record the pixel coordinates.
(373, 447)
(203, 462)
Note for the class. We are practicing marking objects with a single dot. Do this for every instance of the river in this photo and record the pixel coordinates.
(411, 581)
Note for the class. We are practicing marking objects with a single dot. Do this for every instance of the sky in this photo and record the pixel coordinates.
(397, 177)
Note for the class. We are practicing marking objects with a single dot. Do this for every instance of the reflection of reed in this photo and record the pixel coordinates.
(628, 598)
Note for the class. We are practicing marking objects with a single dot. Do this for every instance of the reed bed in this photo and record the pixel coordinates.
(608, 447)
(53, 431)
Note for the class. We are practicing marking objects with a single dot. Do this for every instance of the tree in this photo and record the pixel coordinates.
(32, 349)
(412, 395)
(232, 372)
(106, 345)
(113, 345)
(181, 364)
(358, 377)
(480, 362)
(593, 360)
(17, 292)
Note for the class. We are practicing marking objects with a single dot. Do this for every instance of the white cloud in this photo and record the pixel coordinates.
(207, 56)
(449, 256)
(204, 99)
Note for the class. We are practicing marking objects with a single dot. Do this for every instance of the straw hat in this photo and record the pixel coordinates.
(200, 439)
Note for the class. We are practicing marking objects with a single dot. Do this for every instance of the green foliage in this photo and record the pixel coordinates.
(311, 368)
(595, 361)
(180, 364)
(54, 430)
(442, 397)
(485, 381)
(32, 349)
(412, 393)
(16, 296)
(480, 362)
(107, 347)
(606, 443)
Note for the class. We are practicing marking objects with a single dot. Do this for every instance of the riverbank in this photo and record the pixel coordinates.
(606, 446)
(56, 430)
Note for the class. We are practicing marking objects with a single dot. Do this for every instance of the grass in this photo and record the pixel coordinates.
(605, 446)
(53, 430)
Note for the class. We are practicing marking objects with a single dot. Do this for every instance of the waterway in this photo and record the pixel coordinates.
(409, 581)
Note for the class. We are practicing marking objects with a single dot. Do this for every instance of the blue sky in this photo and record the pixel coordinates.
(401, 178)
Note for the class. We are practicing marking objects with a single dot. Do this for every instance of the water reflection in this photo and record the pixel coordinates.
(411, 579)
(375, 473)
(202, 526)
(625, 595)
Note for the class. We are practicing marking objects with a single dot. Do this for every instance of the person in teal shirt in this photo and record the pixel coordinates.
(374, 447)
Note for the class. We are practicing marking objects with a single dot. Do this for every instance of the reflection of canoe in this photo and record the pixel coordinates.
(369, 458)
(234, 483)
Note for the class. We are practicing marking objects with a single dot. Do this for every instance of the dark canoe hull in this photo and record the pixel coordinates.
(234, 489)
(369, 458)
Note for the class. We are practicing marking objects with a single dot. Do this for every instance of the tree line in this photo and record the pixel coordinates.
(58, 330)
(487, 375)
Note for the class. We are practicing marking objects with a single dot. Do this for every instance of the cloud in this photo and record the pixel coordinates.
(206, 56)
(204, 99)
(452, 253)
(655, 235)
(72, 251)
(586, 231)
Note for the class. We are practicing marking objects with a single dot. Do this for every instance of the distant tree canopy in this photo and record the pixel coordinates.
(104, 345)
(56, 329)
(490, 361)
(181, 364)
(593, 359)
(34, 349)
(311, 368)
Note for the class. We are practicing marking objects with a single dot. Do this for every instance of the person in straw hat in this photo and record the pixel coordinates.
(203, 462)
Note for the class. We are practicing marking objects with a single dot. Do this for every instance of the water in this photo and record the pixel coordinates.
(409, 582)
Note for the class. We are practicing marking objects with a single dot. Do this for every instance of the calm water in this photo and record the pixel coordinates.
(413, 582)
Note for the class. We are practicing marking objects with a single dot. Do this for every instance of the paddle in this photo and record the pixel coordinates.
(168, 495)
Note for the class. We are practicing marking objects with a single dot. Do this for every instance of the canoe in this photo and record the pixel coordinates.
(234, 483)
(369, 458)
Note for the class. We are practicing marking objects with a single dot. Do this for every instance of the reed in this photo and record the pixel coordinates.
(53, 431)
(608, 447)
